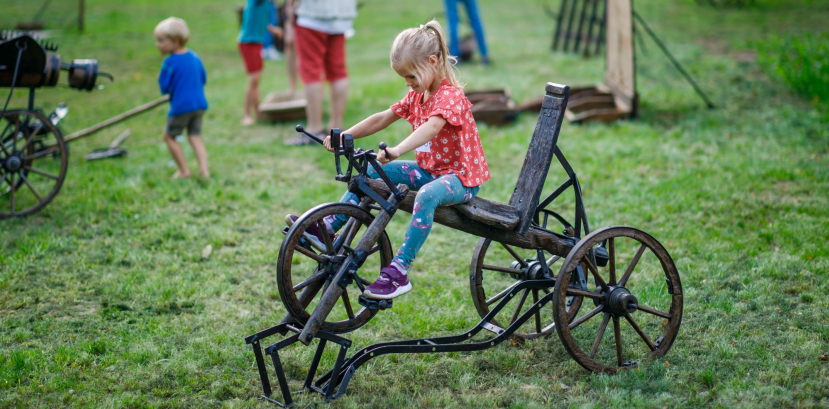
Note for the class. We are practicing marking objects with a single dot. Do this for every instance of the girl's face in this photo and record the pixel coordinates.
(427, 80)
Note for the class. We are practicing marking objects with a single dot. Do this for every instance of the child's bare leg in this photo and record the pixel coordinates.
(251, 98)
(313, 110)
(290, 57)
(178, 156)
(339, 94)
(201, 154)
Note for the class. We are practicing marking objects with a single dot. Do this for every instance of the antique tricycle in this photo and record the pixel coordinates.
(612, 274)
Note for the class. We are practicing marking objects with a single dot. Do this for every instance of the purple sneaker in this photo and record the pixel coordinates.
(312, 233)
(392, 283)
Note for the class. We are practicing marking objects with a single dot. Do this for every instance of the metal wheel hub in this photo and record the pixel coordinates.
(13, 163)
(620, 301)
(533, 271)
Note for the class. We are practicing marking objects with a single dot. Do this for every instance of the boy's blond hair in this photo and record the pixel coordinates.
(173, 28)
(413, 47)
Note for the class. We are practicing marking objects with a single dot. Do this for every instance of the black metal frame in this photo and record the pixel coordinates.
(334, 383)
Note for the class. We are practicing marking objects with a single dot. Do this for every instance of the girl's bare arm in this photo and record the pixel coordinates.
(424, 133)
(368, 126)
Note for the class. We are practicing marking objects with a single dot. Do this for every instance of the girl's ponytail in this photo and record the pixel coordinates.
(413, 47)
(446, 61)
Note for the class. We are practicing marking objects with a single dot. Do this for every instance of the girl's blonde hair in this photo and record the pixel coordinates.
(413, 47)
(173, 28)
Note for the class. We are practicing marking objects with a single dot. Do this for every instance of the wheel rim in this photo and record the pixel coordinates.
(304, 271)
(496, 267)
(635, 301)
(33, 163)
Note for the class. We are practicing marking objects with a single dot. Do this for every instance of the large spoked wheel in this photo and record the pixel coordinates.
(639, 291)
(496, 267)
(33, 163)
(307, 265)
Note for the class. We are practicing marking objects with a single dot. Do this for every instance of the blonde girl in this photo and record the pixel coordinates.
(449, 165)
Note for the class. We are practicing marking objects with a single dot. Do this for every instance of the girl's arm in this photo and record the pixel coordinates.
(421, 135)
(368, 126)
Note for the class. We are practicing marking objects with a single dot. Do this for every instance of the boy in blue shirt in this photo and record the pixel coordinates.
(255, 23)
(183, 77)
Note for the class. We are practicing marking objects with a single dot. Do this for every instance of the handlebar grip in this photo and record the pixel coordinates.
(383, 147)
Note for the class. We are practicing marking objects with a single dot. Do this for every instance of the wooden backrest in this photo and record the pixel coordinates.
(539, 154)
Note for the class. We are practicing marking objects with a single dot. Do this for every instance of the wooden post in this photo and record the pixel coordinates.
(81, 12)
(620, 74)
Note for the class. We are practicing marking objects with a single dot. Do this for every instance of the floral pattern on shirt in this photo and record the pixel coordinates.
(457, 147)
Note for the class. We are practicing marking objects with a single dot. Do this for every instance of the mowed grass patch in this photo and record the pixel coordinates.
(105, 300)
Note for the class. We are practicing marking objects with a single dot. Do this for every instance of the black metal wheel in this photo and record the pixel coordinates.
(305, 268)
(33, 162)
(496, 267)
(638, 290)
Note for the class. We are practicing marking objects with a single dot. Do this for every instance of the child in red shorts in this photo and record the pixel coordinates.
(254, 24)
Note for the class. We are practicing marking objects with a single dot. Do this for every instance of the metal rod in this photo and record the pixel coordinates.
(673, 60)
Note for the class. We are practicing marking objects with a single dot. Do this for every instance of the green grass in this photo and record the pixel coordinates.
(105, 300)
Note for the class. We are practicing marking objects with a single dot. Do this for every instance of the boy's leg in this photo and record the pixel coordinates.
(337, 75)
(194, 134)
(175, 125)
(178, 156)
(290, 50)
(201, 154)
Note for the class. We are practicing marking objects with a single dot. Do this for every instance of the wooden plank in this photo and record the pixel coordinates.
(619, 74)
(540, 152)
(118, 118)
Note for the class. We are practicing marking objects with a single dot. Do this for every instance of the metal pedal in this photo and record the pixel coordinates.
(374, 305)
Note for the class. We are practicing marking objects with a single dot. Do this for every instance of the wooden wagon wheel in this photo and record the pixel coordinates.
(496, 267)
(33, 162)
(639, 291)
(304, 270)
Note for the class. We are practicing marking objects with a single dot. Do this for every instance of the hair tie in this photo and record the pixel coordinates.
(422, 27)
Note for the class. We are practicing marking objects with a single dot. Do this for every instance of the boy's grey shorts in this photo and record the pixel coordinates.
(190, 120)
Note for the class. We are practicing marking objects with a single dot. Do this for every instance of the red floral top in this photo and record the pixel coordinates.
(457, 147)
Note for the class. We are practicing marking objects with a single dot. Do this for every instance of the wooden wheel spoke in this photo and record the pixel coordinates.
(582, 293)
(515, 255)
(639, 331)
(611, 253)
(653, 311)
(373, 249)
(310, 280)
(326, 238)
(537, 313)
(347, 304)
(624, 280)
(502, 269)
(351, 229)
(586, 317)
(40, 172)
(617, 334)
(599, 336)
(308, 253)
(32, 136)
(520, 304)
(48, 151)
(32, 188)
(599, 280)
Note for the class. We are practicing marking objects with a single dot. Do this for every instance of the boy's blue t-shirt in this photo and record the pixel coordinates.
(255, 21)
(183, 77)
(273, 20)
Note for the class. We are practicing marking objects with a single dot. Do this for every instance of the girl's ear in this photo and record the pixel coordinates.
(433, 60)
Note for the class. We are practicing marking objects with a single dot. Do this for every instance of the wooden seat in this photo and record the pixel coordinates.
(494, 214)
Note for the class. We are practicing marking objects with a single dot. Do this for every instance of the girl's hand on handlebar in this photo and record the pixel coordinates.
(327, 143)
(383, 158)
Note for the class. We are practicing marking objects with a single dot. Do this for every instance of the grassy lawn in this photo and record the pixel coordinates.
(106, 301)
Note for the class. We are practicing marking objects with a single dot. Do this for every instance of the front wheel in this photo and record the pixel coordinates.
(638, 290)
(306, 265)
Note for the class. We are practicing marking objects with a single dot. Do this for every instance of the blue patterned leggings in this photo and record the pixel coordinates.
(431, 193)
